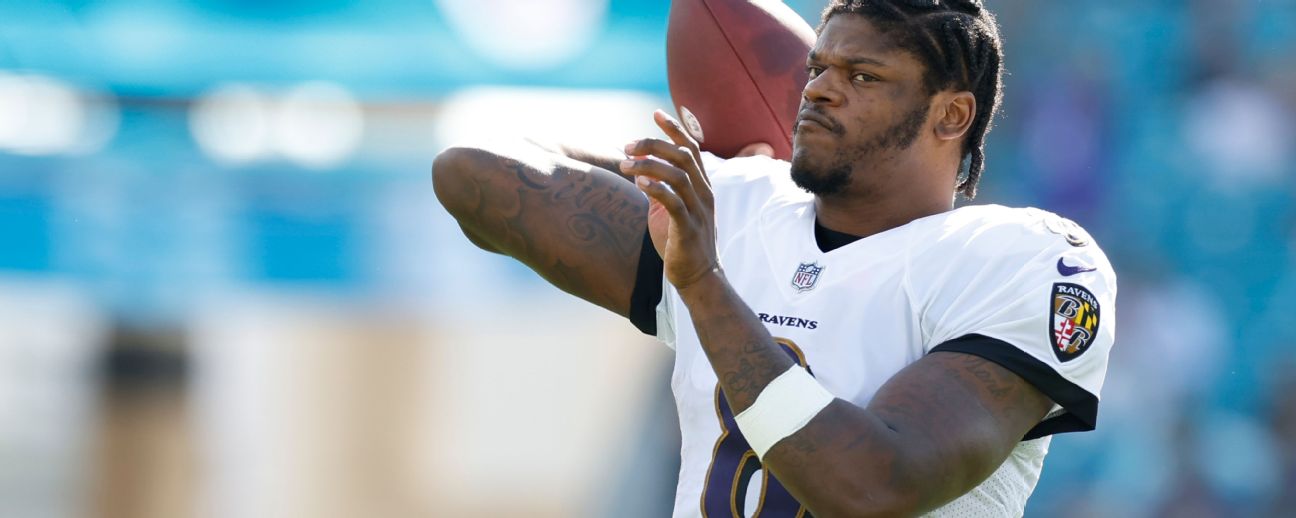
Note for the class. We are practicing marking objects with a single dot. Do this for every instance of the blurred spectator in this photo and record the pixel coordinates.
(1282, 422)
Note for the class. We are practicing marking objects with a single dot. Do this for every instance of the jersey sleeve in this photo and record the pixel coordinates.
(740, 187)
(1029, 291)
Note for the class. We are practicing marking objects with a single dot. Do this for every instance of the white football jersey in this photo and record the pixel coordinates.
(1024, 288)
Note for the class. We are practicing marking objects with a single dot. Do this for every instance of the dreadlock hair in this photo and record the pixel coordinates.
(958, 43)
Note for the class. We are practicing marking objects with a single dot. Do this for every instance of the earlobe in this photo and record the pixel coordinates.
(956, 117)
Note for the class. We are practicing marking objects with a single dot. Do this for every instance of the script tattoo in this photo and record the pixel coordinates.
(580, 229)
(607, 213)
(757, 365)
(744, 372)
(992, 382)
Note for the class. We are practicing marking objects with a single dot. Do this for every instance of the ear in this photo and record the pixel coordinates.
(954, 114)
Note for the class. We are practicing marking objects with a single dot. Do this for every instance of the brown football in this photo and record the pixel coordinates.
(736, 69)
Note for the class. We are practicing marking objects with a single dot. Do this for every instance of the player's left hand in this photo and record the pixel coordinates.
(681, 210)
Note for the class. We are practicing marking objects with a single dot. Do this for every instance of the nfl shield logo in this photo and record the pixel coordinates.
(806, 276)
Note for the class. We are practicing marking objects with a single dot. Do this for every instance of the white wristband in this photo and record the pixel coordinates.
(785, 405)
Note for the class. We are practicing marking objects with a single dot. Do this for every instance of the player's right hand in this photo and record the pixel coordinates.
(658, 219)
(672, 176)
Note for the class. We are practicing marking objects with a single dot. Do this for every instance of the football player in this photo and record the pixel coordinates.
(847, 342)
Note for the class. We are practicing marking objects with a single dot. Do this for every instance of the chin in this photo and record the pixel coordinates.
(798, 159)
(816, 178)
(801, 166)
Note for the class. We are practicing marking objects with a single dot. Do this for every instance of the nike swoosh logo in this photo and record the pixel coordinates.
(1068, 271)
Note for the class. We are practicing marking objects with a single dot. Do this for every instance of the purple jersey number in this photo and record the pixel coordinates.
(734, 463)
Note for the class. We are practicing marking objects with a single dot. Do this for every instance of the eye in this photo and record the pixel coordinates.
(814, 71)
(865, 78)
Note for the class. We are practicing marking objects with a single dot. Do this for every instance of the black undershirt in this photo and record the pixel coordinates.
(829, 239)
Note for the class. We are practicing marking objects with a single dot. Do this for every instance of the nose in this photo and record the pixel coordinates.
(821, 90)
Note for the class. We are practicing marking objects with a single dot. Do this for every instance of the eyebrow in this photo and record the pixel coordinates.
(853, 61)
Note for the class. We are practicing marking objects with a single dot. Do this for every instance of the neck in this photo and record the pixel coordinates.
(867, 215)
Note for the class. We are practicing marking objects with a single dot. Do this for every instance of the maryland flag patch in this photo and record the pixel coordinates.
(1073, 322)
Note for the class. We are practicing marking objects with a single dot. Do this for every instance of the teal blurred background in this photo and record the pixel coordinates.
(226, 288)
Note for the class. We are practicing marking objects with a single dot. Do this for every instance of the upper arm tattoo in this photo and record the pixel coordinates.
(931, 433)
(962, 409)
(578, 226)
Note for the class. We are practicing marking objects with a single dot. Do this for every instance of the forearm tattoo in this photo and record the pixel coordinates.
(581, 230)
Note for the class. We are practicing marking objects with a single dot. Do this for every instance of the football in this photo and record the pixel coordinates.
(736, 69)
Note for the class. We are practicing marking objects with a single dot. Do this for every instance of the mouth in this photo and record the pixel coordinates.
(810, 120)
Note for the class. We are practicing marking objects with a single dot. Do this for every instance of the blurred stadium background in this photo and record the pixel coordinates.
(226, 289)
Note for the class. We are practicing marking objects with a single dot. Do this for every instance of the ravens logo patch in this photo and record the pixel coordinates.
(1073, 320)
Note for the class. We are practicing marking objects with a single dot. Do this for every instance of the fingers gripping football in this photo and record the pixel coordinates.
(681, 138)
(673, 171)
(671, 175)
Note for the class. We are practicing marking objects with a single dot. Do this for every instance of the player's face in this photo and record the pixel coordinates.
(864, 105)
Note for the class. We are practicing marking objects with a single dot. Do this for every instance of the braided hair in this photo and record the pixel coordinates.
(958, 43)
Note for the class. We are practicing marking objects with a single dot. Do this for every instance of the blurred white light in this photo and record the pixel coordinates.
(605, 119)
(526, 34)
(1236, 455)
(102, 120)
(232, 123)
(39, 115)
(1242, 131)
(14, 108)
(317, 124)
